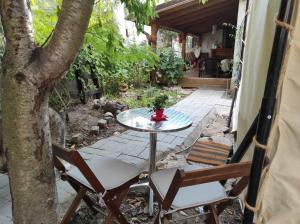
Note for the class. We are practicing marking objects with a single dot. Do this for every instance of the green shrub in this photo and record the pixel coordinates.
(170, 67)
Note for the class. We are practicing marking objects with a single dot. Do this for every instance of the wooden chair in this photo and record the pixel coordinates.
(208, 152)
(193, 186)
(106, 178)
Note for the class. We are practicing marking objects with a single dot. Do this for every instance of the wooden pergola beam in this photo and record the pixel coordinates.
(187, 6)
(202, 27)
(183, 47)
(190, 18)
(192, 13)
(224, 16)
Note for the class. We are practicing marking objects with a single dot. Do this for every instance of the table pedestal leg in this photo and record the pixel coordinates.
(153, 141)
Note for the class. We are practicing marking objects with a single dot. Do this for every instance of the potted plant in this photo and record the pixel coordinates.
(158, 107)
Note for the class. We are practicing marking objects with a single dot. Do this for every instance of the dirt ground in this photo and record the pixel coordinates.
(82, 117)
(135, 206)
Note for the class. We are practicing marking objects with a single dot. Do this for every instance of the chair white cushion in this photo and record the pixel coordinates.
(191, 196)
(110, 172)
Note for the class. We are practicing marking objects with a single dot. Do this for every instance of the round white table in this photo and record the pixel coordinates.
(140, 120)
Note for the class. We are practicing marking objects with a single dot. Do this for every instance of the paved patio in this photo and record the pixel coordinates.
(133, 147)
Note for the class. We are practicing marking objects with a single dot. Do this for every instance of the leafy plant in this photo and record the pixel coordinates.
(139, 61)
(103, 47)
(170, 67)
(160, 102)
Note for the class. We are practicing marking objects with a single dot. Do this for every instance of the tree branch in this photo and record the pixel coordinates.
(17, 25)
(66, 40)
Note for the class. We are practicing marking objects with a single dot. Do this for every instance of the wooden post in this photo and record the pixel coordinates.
(183, 48)
(153, 41)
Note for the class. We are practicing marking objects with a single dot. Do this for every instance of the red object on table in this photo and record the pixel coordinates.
(159, 115)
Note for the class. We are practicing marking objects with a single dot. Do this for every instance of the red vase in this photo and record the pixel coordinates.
(159, 114)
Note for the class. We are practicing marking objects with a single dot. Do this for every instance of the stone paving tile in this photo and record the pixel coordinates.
(145, 154)
(141, 163)
(3, 180)
(6, 210)
(168, 138)
(65, 192)
(100, 152)
(5, 193)
(5, 220)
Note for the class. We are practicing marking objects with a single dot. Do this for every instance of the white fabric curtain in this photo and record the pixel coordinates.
(280, 191)
(259, 40)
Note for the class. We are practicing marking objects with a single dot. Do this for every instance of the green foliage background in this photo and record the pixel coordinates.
(170, 67)
(115, 63)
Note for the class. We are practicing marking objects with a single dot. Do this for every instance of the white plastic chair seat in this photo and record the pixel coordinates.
(191, 196)
(110, 172)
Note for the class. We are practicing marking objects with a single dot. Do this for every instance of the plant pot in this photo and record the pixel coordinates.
(159, 115)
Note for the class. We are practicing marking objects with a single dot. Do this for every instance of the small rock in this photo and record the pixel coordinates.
(116, 133)
(118, 111)
(94, 130)
(112, 106)
(108, 114)
(110, 120)
(225, 129)
(124, 107)
(102, 101)
(208, 132)
(102, 123)
(96, 104)
(76, 138)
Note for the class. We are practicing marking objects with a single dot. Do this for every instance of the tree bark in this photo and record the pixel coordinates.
(28, 73)
(57, 130)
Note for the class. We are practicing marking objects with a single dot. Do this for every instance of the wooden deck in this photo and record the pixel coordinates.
(195, 82)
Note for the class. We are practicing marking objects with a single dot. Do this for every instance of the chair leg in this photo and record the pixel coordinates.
(71, 210)
(86, 198)
(157, 217)
(213, 218)
(113, 205)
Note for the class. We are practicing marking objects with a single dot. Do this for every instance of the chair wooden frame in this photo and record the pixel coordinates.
(200, 176)
(112, 198)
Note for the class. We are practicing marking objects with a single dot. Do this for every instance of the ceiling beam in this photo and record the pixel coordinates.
(190, 5)
(194, 12)
(224, 16)
(206, 27)
(187, 20)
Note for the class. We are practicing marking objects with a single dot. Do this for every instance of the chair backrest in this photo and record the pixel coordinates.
(217, 173)
(73, 157)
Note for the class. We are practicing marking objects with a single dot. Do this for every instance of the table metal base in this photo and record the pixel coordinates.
(152, 167)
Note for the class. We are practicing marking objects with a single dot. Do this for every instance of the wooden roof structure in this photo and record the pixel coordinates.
(194, 18)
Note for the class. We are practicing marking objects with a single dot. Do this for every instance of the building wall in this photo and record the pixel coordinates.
(209, 40)
(128, 28)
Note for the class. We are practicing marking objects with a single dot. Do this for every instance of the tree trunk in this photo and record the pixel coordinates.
(57, 130)
(27, 145)
(2, 156)
(28, 74)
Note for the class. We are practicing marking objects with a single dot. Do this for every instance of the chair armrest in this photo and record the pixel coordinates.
(218, 173)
